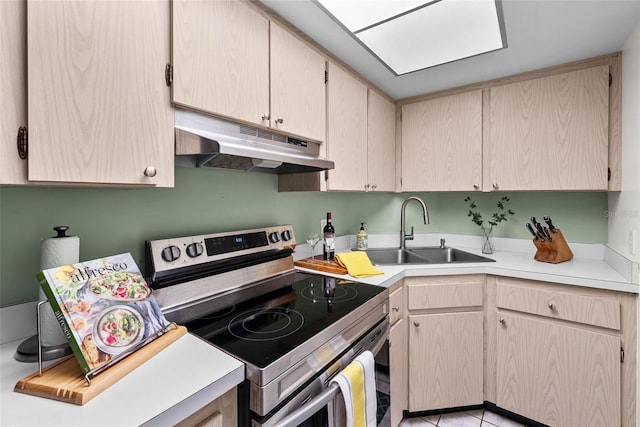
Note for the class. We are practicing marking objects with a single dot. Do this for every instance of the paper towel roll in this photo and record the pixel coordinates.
(58, 251)
(55, 252)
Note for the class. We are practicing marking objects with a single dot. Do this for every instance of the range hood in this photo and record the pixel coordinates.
(204, 141)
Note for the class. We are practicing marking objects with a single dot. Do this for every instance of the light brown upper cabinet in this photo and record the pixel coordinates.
(555, 129)
(346, 130)
(360, 139)
(221, 59)
(231, 61)
(549, 133)
(298, 92)
(99, 108)
(442, 143)
(381, 147)
(13, 87)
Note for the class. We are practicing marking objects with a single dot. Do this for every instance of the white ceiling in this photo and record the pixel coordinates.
(539, 33)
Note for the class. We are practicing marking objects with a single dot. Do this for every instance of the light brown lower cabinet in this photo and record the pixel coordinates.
(222, 412)
(562, 355)
(445, 341)
(558, 374)
(445, 360)
(397, 370)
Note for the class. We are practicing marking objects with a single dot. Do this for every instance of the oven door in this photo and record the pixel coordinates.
(312, 405)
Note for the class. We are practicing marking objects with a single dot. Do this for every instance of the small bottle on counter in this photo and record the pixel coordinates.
(361, 238)
(329, 240)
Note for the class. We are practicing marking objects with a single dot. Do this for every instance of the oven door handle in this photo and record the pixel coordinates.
(301, 414)
(308, 409)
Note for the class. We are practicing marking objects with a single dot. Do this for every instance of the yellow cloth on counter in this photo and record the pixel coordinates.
(357, 264)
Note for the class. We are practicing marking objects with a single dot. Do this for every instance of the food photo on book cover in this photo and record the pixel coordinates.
(104, 306)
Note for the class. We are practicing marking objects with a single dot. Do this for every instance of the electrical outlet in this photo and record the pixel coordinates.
(632, 241)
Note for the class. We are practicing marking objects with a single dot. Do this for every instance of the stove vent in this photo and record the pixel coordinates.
(204, 141)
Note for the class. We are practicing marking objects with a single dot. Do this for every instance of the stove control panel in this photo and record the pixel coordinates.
(169, 254)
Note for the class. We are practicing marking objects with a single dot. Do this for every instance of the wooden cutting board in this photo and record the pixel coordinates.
(64, 380)
(320, 265)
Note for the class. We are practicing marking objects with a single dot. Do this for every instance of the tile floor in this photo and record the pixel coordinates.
(473, 418)
(476, 418)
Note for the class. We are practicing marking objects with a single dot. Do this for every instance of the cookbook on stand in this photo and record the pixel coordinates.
(104, 307)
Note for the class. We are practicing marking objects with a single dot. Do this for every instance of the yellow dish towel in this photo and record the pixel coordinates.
(357, 264)
(358, 386)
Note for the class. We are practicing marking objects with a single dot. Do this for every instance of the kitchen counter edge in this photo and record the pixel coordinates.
(158, 385)
(576, 272)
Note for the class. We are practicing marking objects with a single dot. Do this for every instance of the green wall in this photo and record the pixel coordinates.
(111, 221)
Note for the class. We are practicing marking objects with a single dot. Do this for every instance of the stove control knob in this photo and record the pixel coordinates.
(286, 235)
(195, 249)
(273, 237)
(171, 253)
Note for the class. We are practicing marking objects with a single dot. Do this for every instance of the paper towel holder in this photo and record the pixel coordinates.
(61, 230)
(32, 349)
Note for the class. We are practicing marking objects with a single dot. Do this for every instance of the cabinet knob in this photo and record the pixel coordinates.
(396, 309)
(150, 171)
(495, 186)
(476, 186)
(416, 323)
(279, 120)
(374, 186)
(502, 321)
(551, 306)
(366, 187)
(266, 116)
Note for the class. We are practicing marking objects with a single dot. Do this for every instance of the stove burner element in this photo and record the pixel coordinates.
(265, 324)
(218, 314)
(328, 292)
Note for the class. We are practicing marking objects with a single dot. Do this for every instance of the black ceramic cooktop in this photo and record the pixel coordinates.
(264, 329)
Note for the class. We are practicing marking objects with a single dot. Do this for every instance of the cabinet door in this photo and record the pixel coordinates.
(346, 130)
(298, 100)
(222, 412)
(445, 360)
(442, 143)
(550, 133)
(557, 374)
(398, 370)
(221, 59)
(13, 87)
(98, 105)
(381, 147)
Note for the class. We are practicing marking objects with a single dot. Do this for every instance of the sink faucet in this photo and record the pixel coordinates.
(425, 215)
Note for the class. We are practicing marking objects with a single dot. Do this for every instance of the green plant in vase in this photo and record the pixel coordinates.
(502, 214)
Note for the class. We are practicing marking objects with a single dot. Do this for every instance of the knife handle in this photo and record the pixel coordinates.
(547, 233)
(533, 232)
(550, 224)
(538, 227)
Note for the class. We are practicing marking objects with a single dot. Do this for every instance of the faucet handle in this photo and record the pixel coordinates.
(409, 236)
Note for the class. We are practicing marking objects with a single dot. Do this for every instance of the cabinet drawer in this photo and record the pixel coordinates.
(424, 296)
(395, 305)
(575, 307)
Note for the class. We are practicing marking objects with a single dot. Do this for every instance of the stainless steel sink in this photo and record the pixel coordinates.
(422, 255)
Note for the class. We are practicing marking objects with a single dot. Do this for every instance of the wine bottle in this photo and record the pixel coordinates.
(329, 239)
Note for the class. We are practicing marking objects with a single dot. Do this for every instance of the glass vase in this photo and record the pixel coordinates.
(487, 244)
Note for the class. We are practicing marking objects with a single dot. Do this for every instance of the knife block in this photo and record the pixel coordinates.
(555, 251)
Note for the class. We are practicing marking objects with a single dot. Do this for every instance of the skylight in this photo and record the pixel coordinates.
(410, 35)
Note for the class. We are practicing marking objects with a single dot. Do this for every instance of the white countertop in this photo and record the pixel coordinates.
(190, 372)
(589, 272)
(167, 388)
